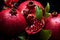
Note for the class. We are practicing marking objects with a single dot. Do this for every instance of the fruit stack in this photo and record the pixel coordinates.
(28, 21)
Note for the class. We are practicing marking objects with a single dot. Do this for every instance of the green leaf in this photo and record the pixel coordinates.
(45, 35)
(21, 37)
(38, 13)
(47, 15)
(47, 8)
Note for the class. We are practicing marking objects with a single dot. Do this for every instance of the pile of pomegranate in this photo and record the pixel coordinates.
(29, 17)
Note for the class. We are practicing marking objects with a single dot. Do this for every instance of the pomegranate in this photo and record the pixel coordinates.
(12, 22)
(29, 7)
(34, 25)
(10, 3)
(53, 24)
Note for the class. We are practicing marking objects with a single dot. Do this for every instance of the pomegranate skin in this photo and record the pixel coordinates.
(11, 24)
(10, 2)
(53, 24)
(23, 6)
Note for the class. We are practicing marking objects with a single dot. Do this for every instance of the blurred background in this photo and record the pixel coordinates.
(55, 4)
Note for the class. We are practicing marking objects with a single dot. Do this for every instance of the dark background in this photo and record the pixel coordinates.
(55, 4)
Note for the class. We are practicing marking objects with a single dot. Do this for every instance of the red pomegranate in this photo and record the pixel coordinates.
(10, 3)
(53, 24)
(29, 7)
(12, 22)
(34, 25)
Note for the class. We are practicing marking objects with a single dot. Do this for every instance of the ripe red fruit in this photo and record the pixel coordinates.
(28, 9)
(10, 3)
(29, 6)
(12, 22)
(53, 24)
(34, 25)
